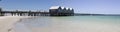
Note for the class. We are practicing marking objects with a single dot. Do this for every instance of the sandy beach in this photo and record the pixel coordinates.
(7, 22)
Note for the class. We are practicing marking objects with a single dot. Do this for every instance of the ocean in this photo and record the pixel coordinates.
(71, 24)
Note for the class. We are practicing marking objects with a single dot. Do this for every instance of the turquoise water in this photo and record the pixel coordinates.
(45, 20)
(73, 23)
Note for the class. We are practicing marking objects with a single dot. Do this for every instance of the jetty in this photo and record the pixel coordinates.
(53, 11)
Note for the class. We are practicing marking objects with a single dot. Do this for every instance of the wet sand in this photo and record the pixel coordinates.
(7, 22)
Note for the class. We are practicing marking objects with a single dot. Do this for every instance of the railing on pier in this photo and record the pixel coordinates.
(24, 13)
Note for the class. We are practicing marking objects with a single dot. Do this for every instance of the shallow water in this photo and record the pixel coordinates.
(73, 24)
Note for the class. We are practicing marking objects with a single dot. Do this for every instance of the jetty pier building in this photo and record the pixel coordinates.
(61, 11)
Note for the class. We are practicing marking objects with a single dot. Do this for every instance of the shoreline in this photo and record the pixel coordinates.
(7, 22)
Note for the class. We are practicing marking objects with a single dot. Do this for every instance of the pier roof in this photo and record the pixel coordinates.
(63, 7)
(71, 8)
(54, 7)
(67, 8)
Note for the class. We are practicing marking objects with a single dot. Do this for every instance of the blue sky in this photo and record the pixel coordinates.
(80, 6)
